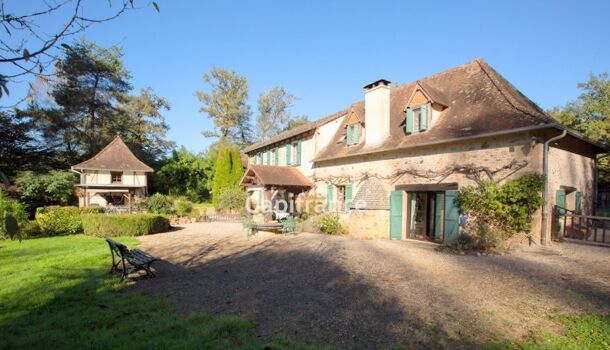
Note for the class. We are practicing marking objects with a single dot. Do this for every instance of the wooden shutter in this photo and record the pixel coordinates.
(578, 207)
(268, 153)
(423, 118)
(288, 154)
(452, 216)
(299, 152)
(409, 121)
(396, 215)
(348, 135)
(439, 206)
(254, 160)
(277, 156)
(356, 134)
(329, 197)
(348, 196)
(561, 201)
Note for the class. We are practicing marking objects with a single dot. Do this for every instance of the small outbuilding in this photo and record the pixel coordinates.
(113, 177)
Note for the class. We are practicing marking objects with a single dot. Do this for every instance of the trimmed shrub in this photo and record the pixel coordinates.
(56, 220)
(102, 225)
(31, 229)
(159, 204)
(92, 210)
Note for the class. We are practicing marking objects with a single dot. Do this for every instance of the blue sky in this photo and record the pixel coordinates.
(324, 52)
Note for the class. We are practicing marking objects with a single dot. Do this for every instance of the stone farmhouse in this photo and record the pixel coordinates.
(404, 151)
(114, 176)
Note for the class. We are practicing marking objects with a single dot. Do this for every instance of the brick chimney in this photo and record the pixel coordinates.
(376, 112)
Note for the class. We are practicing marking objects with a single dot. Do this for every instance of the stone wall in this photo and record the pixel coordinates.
(367, 224)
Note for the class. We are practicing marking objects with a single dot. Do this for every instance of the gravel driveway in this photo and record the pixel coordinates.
(354, 293)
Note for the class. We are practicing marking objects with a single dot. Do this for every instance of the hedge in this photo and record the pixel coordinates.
(101, 225)
(58, 220)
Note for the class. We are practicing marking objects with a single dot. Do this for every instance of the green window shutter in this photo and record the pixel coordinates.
(260, 158)
(348, 135)
(423, 118)
(439, 205)
(254, 160)
(288, 155)
(396, 215)
(409, 121)
(277, 156)
(268, 157)
(560, 199)
(329, 197)
(452, 215)
(355, 133)
(348, 196)
(299, 152)
(578, 207)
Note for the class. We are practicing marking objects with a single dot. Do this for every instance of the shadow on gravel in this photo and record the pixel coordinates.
(298, 293)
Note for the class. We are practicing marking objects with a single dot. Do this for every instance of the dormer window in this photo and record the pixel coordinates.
(352, 134)
(417, 119)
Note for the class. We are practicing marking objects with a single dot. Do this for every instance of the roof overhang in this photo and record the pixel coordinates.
(275, 176)
(599, 146)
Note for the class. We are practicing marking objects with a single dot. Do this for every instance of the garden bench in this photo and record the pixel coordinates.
(138, 259)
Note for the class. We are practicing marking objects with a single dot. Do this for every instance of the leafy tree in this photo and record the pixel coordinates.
(228, 170)
(52, 188)
(19, 148)
(273, 112)
(226, 104)
(89, 104)
(233, 199)
(590, 115)
(184, 174)
(31, 42)
(296, 122)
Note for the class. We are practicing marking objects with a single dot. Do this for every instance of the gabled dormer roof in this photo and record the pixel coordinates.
(115, 156)
(431, 94)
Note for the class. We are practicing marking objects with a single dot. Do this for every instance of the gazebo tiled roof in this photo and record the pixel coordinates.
(115, 156)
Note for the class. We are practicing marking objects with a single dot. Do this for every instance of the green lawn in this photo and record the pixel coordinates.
(57, 293)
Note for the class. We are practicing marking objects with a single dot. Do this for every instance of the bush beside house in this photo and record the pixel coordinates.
(101, 225)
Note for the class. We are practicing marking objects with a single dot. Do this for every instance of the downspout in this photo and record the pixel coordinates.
(545, 196)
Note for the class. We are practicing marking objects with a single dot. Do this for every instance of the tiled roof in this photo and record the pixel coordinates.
(294, 132)
(269, 175)
(115, 156)
(372, 194)
(478, 100)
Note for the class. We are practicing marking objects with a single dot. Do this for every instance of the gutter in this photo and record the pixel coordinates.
(545, 172)
(440, 142)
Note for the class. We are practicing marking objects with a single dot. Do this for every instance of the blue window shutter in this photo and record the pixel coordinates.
(277, 156)
(288, 155)
(409, 121)
(396, 215)
(348, 196)
(299, 152)
(452, 215)
(355, 133)
(423, 118)
(329, 197)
